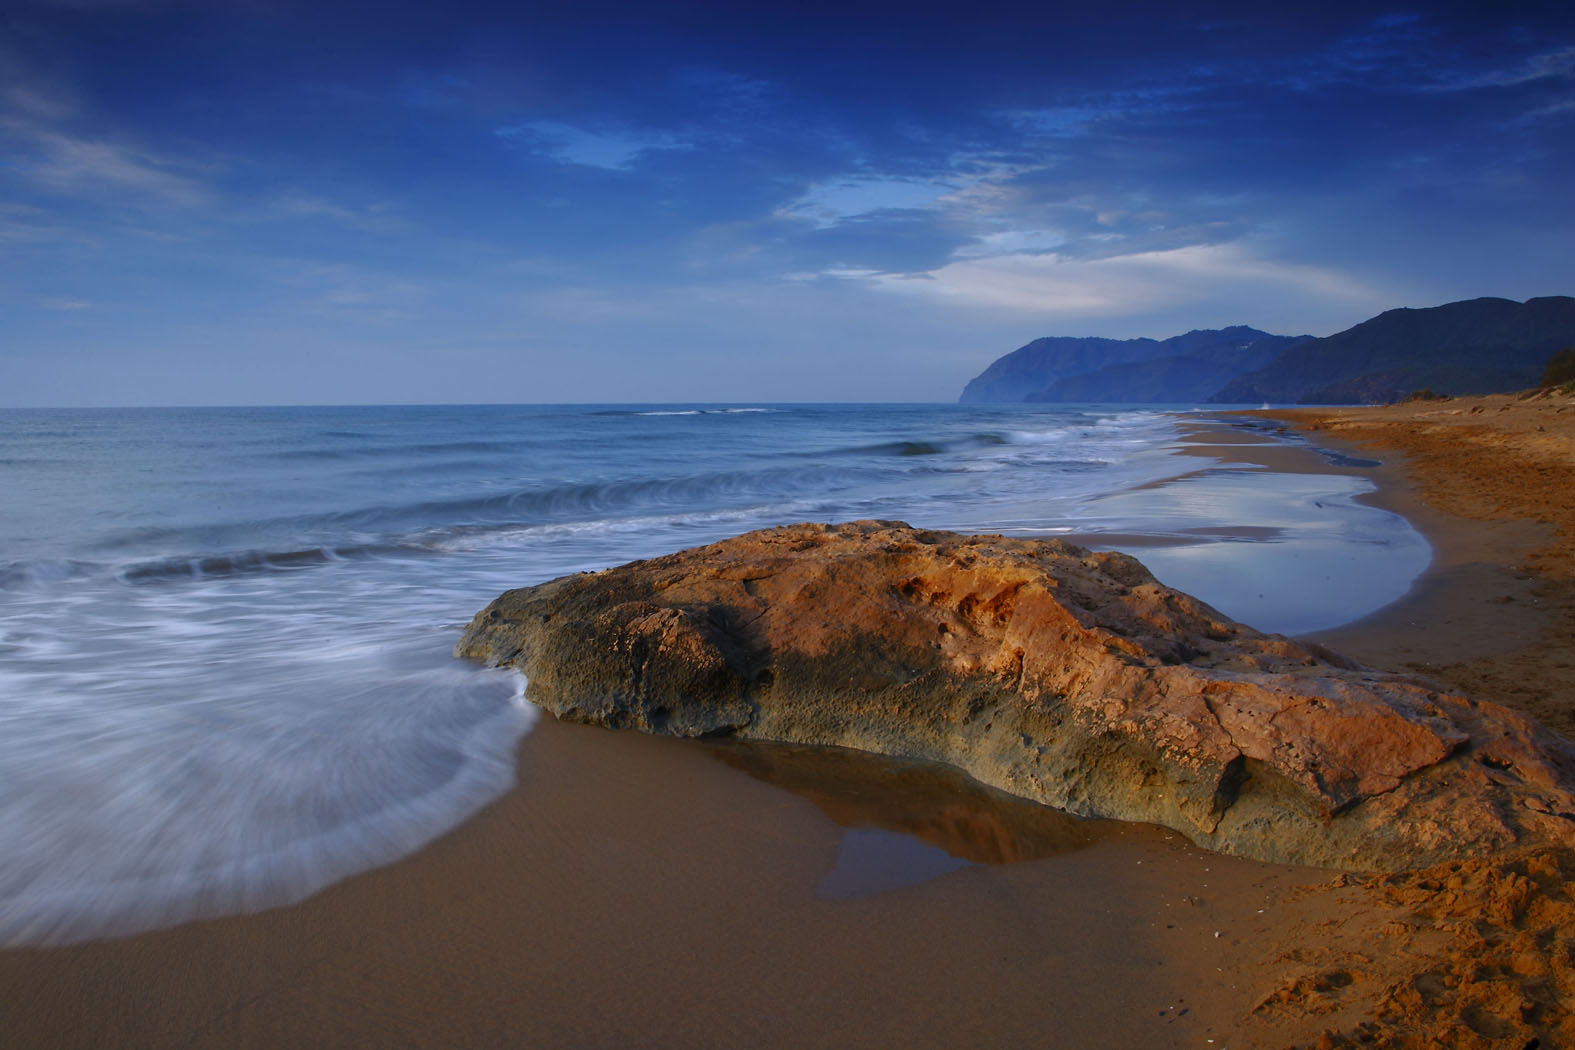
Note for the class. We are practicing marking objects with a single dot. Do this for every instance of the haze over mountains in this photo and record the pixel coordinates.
(1476, 346)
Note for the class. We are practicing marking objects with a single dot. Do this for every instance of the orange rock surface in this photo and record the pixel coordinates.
(1063, 676)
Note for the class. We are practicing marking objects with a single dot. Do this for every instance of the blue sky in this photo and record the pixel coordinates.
(262, 201)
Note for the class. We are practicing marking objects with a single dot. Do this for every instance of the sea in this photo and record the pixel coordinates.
(226, 671)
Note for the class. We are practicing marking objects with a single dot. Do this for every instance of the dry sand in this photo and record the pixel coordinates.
(636, 892)
(1477, 954)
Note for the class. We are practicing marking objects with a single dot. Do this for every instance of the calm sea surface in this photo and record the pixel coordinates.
(225, 634)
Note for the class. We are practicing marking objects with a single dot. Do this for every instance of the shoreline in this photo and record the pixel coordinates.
(1326, 549)
(636, 891)
(1438, 620)
(1488, 481)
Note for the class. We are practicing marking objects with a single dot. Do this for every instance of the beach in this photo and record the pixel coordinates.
(636, 891)
(1490, 484)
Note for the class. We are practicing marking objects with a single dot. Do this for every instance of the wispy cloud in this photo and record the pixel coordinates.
(829, 202)
(1548, 77)
(50, 137)
(348, 290)
(614, 148)
(1091, 110)
(721, 89)
(377, 217)
(25, 224)
(1552, 109)
(1058, 287)
(1014, 242)
(1391, 48)
(60, 162)
(1558, 64)
(423, 89)
(31, 99)
(824, 180)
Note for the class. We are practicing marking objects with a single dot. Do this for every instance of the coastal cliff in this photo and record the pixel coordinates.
(1067, 677)
(1188, 367)
(1475, 346)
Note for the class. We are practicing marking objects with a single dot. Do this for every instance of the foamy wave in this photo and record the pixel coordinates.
(217, 808)
(704, 411)
(45, 573)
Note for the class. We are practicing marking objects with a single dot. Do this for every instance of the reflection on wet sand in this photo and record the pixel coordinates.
(935, 804)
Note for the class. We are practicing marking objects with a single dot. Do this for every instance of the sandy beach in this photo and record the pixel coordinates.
(643, 892)
(1488, 480)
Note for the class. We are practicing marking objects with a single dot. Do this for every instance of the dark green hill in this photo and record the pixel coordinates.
(1477, 346)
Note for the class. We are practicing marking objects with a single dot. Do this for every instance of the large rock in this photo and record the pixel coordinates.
(1067, 677)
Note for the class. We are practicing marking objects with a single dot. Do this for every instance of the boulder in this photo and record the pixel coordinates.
(1060, 675)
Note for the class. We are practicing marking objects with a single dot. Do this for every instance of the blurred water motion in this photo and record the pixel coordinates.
(225, 671)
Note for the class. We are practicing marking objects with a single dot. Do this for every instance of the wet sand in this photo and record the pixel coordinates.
(1491, 481)
(636, 892)
(644, 892)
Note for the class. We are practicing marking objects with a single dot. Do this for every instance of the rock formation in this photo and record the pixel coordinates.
(1063, 676)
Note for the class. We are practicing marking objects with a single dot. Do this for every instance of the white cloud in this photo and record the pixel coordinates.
(971, 186)
(1013, 242)
(835, 273)
(1052, 286)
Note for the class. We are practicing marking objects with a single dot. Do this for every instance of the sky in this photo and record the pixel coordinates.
(271, 202)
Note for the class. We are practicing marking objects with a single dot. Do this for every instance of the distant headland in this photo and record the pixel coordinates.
(1476, 346)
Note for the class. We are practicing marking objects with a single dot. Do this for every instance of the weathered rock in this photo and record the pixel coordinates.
(1063, 676)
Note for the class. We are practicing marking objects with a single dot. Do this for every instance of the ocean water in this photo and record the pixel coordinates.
(225, 634)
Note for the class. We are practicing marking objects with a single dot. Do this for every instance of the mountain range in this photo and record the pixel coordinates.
(1476, 346)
